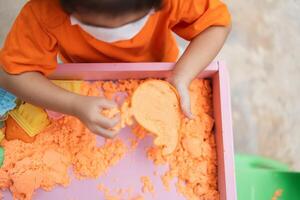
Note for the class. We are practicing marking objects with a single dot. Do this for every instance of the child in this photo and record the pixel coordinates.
(107, 31)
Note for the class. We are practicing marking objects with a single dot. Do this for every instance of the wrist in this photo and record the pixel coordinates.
(179, 76)
(75, 105)
(177, 80)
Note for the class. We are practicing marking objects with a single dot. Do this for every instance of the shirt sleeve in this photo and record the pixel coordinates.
(191, 17)
(28, 46)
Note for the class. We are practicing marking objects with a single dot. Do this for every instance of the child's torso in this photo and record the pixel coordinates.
(155, 42)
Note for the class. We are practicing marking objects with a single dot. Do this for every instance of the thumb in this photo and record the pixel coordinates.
(185, 102)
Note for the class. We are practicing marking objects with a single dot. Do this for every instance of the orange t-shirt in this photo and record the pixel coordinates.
(42, 31)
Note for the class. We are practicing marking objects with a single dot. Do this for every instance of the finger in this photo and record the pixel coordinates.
(185, 107)
(104, 132)
(185, 104)
(106, 103)
(108, 122)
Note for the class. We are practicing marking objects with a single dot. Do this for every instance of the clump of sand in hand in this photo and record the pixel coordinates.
(155, 106)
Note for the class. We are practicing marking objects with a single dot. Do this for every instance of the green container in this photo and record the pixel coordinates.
(258, 179)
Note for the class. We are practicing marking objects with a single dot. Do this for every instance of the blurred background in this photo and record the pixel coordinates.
(263, 56)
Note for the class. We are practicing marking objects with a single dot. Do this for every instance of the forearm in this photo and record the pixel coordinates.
(34, 88)
(200, 53)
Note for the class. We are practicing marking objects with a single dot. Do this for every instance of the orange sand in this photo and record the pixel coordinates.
(125, 113)
(107, 194)
(155, 106)
(67, 143)
(147, 185)
(45, 162)
(119, 194)
(15, 132)
(110, 113)
(195, 161)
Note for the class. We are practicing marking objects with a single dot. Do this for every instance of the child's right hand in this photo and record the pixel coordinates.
(88, 110)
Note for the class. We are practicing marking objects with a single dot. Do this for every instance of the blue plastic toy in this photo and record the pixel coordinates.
(7, 102)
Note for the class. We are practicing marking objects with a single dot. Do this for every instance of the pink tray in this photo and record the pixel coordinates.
(127, 173)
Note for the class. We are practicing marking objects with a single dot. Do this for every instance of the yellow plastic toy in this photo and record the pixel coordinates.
(72, 86)
(31, 118)
(2, 130)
